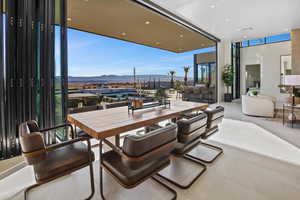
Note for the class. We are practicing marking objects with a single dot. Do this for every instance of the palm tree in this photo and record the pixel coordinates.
(186, 71)
(172, 73)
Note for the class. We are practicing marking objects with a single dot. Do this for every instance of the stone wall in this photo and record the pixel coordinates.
(295, 51)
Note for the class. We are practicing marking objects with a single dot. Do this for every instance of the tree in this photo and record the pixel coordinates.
(186, 71)
(172, 73)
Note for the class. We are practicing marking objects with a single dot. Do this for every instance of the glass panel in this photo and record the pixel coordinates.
(245, 43)
(59, 119)
(279, 38)
(256, 41)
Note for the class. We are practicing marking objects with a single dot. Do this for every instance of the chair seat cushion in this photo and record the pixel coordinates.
(127, 176)
(62, 159)
(184, 138)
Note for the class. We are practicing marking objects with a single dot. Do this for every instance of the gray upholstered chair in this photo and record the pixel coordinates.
(190, 129)
(207, 152)
(52, 162)
(214, 118)
(140, 158)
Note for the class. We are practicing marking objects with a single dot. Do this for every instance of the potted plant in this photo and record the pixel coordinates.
(161, 95)
(227, 77)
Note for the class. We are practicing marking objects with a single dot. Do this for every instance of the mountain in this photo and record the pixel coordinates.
(122, 78)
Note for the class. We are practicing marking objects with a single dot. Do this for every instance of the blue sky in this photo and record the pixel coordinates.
(94, 55)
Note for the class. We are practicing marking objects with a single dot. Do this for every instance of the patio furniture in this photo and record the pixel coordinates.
(140, 158)
(207, 152)
(190, 130)
(259, 105)
(112, 122)
(200, 93)
(52, 162)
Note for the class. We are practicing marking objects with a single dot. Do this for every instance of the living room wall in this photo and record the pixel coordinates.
(268, 56)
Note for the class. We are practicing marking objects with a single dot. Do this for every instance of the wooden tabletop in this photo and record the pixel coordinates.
(101, 124)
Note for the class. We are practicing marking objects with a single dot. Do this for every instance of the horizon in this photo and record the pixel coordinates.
(102, 55)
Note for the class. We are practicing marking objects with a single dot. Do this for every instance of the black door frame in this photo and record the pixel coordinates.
(28, 74)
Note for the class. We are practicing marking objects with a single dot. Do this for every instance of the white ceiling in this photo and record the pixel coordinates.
(226, 18)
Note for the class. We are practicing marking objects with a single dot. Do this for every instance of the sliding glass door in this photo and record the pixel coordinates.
(33, 78)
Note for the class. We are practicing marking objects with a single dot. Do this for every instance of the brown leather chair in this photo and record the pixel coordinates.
(140, 158)
(207, 152)
(52, 162)
(190, 129)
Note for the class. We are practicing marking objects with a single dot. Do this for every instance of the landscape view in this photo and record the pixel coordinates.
(106, 70)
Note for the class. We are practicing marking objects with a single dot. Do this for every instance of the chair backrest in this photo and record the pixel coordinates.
(191, 123)
(84, 109)
(190, 129)
(154, 145)
(116, 105)
(32, 142)
(214, 116)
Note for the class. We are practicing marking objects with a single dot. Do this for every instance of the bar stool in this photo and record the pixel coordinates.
(140, 158)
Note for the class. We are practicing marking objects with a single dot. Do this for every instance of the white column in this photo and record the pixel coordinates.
(224, 58)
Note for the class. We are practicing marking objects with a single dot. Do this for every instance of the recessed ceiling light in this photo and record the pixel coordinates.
(212, 6)
(286, 29)
(69, 19)
(181, 36)
(245, 36)
(123, 33)
(246, 28)
(147, 22)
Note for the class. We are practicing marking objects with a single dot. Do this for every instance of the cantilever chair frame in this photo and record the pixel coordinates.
(196, 161)
(119, 151)
(184, 156)
(55, 146)
(211, 131)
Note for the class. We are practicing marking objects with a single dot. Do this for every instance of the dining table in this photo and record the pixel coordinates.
(102, 124)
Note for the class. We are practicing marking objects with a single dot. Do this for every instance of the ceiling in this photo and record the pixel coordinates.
(126, 20)
(237, 20)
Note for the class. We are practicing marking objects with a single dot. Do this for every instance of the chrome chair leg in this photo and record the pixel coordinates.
(180, 185)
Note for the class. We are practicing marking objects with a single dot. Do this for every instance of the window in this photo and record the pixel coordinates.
(266, 40)
(278, 38)
(245, 43)
(256, 42)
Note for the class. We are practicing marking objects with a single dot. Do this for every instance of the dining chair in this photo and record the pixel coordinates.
(57, 160)
(140, 158)
(205, 152)
(190, 130)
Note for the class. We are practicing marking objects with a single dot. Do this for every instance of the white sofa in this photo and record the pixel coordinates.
(260, 105)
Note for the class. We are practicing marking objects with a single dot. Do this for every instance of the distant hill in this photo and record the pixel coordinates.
(122, 78)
